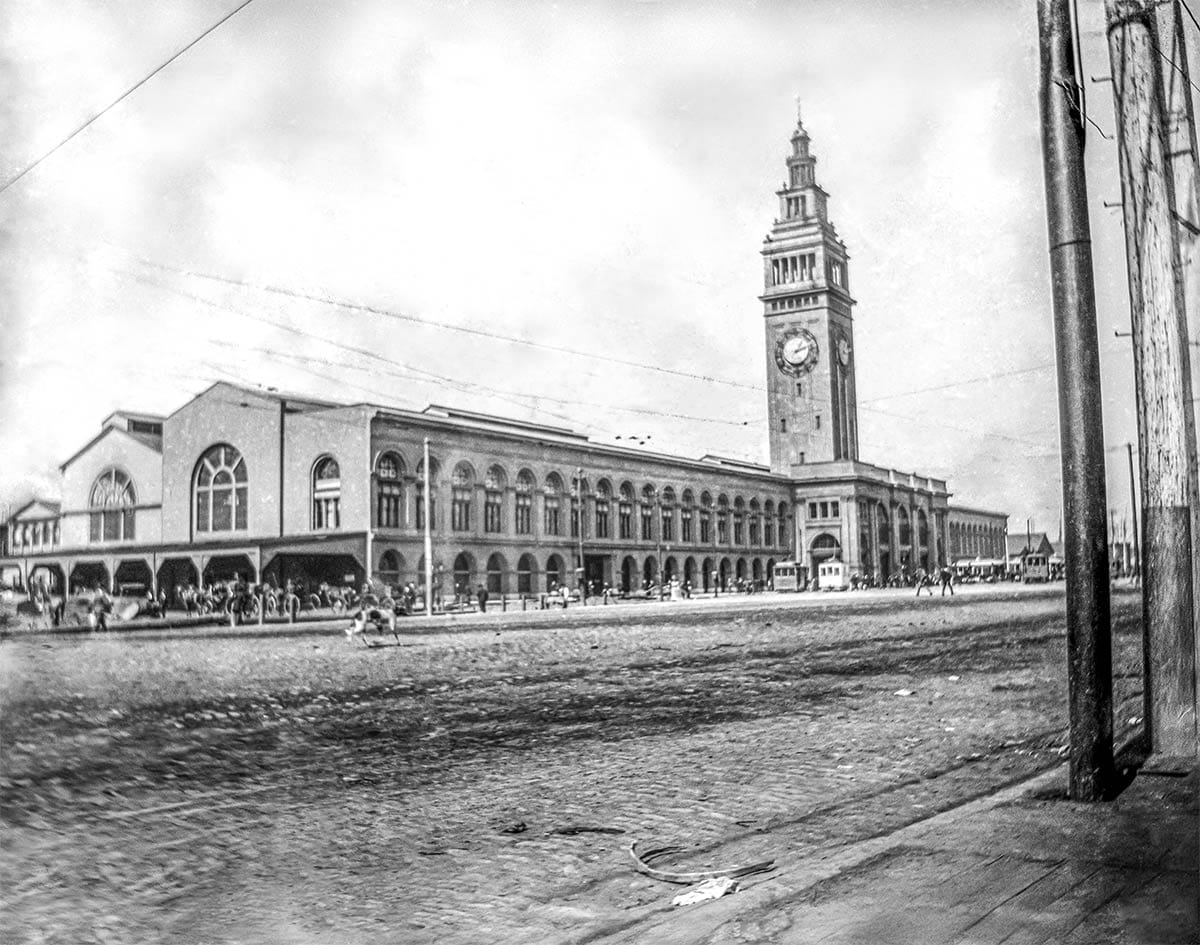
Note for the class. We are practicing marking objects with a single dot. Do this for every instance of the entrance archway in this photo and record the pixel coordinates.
(526, 567)
(554, 572)
(628, 574)
(464, 568)
(222, 568)
(495, 574)
(175, 574)
(649, 571)
(90, 574)
(391, 568)
(51, 575)
(133, 577)
(689, 571)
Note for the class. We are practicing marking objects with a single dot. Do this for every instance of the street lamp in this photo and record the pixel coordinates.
(582, 569)
(656, 525)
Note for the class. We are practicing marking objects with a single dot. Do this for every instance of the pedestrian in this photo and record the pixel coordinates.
(100, 607)
(924, 580)
(947, 576)
(481, 595)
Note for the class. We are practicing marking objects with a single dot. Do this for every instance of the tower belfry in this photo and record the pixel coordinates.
(811, 400)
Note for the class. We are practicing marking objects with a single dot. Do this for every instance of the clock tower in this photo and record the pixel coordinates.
(812, 407)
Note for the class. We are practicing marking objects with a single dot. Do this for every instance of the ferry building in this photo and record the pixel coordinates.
(276, 487)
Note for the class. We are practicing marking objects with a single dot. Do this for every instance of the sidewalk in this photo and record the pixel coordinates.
(1020, 866)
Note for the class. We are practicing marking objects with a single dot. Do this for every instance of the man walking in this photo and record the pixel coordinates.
(947, 576)
(924, 580)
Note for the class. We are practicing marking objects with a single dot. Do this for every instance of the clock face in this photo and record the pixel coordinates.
(796, 351)
(843, 350)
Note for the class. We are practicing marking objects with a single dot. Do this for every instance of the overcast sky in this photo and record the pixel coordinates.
(592, 176)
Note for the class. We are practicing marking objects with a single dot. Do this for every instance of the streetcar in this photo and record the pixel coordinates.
(1035, 567)
(786, 576)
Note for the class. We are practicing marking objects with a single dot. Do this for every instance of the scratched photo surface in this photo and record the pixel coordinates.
(429, 431)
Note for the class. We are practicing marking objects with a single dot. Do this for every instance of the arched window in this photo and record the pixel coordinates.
(649, 497)
(922, 528)
(722, 519)
(389, 491)
(685, 516)
(461, 485)
(220, 491)
(326, 494)
(554, 572)
(769, 523)
(552, 506)
(755, 525)
(524, 517)
(525, 569)
(903, 526)
(495, 574)
(390, 567)
(705, 518)
(739, 522)
(781, 514)
(667, 515)
(625, 512)
(110, 507)
(603, 504)
(434, 470)
(579, 491)
(493, 499)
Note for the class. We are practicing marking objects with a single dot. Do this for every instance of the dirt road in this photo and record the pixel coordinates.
(484, 785)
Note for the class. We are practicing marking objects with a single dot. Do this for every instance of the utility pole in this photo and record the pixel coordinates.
(1162, 377)
(1133, 505)
(1089, 643)
(428, 534)
(579, 522)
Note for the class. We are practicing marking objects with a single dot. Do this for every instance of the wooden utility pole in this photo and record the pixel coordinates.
(1089, 644)
(1162, 376)
(1178, 47)
(1133, 506)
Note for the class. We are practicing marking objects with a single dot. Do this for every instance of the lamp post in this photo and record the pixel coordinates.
(657, 527)
(582, 570)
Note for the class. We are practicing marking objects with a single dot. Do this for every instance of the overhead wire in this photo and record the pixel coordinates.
(124, 95)
(508, 395)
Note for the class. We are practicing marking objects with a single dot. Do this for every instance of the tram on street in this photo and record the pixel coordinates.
(1035, 568)
(786, 576)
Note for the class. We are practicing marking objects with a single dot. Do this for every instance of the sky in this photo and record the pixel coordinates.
(594, 178)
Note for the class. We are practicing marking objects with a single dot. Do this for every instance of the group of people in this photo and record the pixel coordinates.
(945, 577)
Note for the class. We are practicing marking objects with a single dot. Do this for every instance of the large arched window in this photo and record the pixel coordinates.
(705, 518)
(524, 509)
(220, 490)
(434, 470)
(552, 508)
(685, 516)
(462, 484)
(326, 494)
(625, 511)
(494, 484)
(667, 515)
(649, 497)
(755, 524)
(110, 507)
(389, 491)
(739, 522)
(769, 523)
(603, 506)
(722, 519)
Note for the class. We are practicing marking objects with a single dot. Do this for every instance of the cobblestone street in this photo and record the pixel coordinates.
(484, 784)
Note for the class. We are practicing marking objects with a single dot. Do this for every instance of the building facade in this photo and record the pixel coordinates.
(976, 533)
(274, 487)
